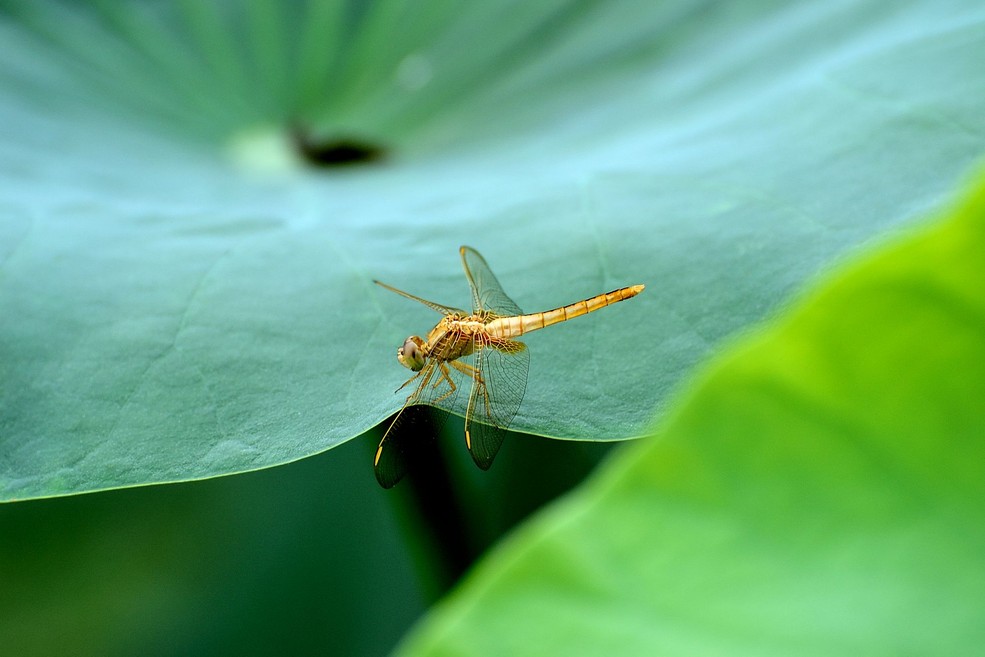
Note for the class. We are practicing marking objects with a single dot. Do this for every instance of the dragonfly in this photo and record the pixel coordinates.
(478, 350)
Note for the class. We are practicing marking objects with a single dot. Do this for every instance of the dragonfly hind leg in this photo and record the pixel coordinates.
(475, 374)
(469, 371)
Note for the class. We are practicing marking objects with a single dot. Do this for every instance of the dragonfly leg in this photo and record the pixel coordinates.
(445, 376)
(468, 370)
(428, 373)
(477, 376)
(485, 396)
(404, 384)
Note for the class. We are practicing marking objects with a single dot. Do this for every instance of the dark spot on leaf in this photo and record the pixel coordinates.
(335, 152)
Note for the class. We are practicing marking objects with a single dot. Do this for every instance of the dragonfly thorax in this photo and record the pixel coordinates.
(412, 355)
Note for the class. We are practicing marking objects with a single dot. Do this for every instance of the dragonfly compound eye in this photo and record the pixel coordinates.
(411, 355)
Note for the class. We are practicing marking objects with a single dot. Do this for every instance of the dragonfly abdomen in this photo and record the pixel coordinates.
(512, 327)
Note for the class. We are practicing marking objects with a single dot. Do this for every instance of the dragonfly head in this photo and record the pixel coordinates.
(412, 355)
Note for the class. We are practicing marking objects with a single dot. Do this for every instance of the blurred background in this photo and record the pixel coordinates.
(308, 558)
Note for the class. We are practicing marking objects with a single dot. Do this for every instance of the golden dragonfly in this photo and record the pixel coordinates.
(478, 347)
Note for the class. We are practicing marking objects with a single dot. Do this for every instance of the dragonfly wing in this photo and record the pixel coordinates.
(437, 385)
(495, 398)
(444, 310)
(487, 293)
(396, 451)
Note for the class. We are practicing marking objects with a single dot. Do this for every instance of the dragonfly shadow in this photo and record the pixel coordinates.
(457, 511)
(417, 457)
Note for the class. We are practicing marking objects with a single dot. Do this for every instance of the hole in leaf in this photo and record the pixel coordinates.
(335, 152)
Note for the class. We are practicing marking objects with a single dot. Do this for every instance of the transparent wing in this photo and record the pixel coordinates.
(444, 310)
(401, 445)
(487, 293)
(495, 397)
(437, 385)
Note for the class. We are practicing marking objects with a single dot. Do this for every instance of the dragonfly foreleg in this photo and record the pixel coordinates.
(428, 372)
(413, 378)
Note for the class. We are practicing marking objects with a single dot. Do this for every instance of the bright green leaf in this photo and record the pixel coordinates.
(180, 299)
(821, 492)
